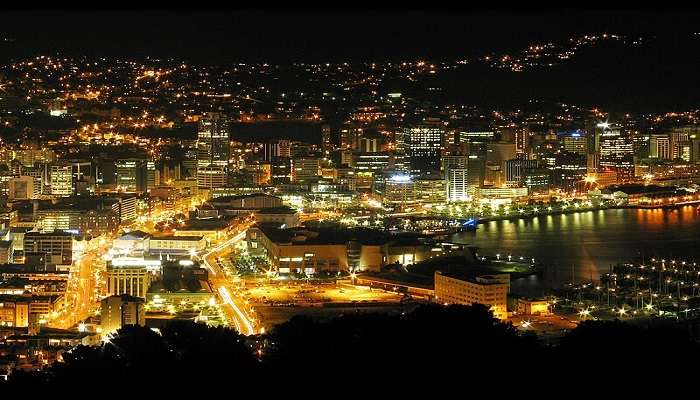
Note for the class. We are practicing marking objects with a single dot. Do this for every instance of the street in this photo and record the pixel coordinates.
(224, 286)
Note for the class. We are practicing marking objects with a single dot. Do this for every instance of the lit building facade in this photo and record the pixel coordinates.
(213, 151)
(489, 290)
(119, 311)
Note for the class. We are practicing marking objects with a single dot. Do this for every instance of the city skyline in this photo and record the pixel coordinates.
(431, 199)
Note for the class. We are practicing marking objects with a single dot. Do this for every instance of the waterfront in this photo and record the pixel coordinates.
(585, 244)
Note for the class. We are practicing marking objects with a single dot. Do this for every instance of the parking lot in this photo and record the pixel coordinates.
(544, 324)
(285, 293)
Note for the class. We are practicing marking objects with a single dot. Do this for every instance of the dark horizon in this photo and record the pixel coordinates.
(317, 35)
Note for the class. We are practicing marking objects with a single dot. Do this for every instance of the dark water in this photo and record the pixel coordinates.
(586, 244)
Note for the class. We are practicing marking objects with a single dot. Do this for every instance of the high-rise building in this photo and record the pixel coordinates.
(122, 310)
(455, 168)
(514, 170)
(55, 247)
(132, 174)
(23, 188)
(617, 153)
(152, 175)
(568, 169)
(400, 189)
(213, 151)
(284, 148)
(423, 145)
(457, 184)
(679, 140)
(350, 137)
(593, 132)
(522, 140)
(71, 178)
(430, 188)
(370, 145)
(660, 147)
(304, 169)
(575, 142)
(281, 170)
(62, 180)
(476, 161)
(371, 162)
(536, 180)
(326, 143)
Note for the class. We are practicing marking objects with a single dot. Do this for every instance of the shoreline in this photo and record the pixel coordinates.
(530, 215)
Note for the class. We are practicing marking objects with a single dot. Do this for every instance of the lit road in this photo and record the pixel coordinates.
(237, 314)
(82, 292)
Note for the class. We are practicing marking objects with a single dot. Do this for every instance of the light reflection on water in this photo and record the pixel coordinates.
(589, 242)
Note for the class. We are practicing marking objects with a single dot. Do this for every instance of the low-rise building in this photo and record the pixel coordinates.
(176, 245)
(280, 216)
(533, 307)
(131, 280)
(331, 250)
(489, 290)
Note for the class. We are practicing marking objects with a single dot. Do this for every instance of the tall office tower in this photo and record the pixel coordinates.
(5, 178)
(575, 142)
(399, 162)
(56, 248)
(593, 133)
(370, 145)
(37, 173)
(281, 170)
(454, 161)
(522, 140)
(537, 180)
(476, 162)
(62, 180)
(515, 168)
(506, 134)
(640, 143)
(269, 151)
(373, 163)
(400, 189)
(694, 148)
(617, 152)
(476, 136)
(457, 184)
(683, 151)
(568, 169)
(350, 137)
(497, 153)
(213, 151)
(189, 158)
(121, 310)
(424, 145)
(132, 174)
(450, 137)
(23, 188)
(456, 176)
(304, 169)
(152, 175)
(660, 147)
(326, 143)
(679, 140)
(284, 148)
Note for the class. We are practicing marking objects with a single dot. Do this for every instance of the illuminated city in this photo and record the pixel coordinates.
(313, 199)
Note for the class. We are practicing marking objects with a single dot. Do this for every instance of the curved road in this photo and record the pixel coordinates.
(223, 285)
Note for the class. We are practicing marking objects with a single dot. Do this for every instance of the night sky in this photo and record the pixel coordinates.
(661, 75)
(307, 35)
